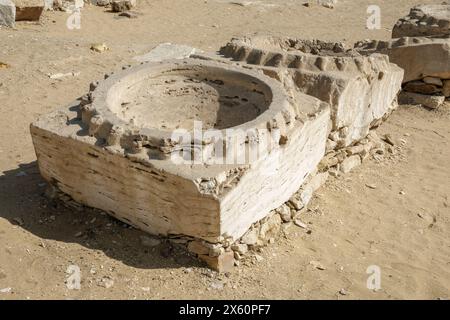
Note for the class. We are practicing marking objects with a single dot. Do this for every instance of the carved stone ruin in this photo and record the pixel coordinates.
(287, 112)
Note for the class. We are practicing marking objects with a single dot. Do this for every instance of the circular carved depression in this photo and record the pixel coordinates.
(173, 98)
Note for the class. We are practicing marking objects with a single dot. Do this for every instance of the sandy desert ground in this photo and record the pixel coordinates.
(400, 223)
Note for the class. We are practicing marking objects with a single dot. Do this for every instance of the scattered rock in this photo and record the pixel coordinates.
(216, 285)
(223, 263)
(371, 186)
(433, 80)
(270, 228)
(63, 75)
(122, 5)
(2, 64)
(317, 265)
(7, 14)
(166, 51)
(285, 213)
(240, 248)
(99, 47)
(350, 163)
(106, 282)
(251, 237)
(300, 224)
(343, 292)
(5, 290)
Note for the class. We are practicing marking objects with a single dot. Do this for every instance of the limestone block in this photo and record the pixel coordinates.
(7, 13)
(424, 20)
(359, 89)
(114, 150)
(29, 10)
(432, 102)
(420, 57)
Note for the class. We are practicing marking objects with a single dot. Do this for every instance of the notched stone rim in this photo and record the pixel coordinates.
(377, 45)
(242, 49)
(105, 125)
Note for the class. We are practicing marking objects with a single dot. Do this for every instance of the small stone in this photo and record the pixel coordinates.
(78, 234)
(240, 248)
(99, 47)
(388, 139)
(217, 285)
(350, 163)
(5, 290)
(166, 51)
(149, 242)
(343, 292)
(251, 237)
(295, 202)
(285, 213)
(223, 263)
(106, 282)
(122, 5)
(434, 81)
(258, 258)
(300, 224)
(371, 186)
(317, 265)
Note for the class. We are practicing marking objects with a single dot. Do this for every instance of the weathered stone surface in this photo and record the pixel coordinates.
(122, 5)
(424, 20)
(29, 10)
(432, 102)
(167, 51)
(420, 57)
(121, 156)
(350, 163)
(223, 263)
(433, 81)
(446, 88)
(359, 89)
(7, 13)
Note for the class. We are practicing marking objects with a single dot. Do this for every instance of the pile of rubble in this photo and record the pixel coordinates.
(421, 46)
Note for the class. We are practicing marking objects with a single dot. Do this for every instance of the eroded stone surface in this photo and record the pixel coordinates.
(360, 89)
(420, 57)
(424, 20)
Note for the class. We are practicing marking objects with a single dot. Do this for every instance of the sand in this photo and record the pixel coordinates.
(392, 213)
